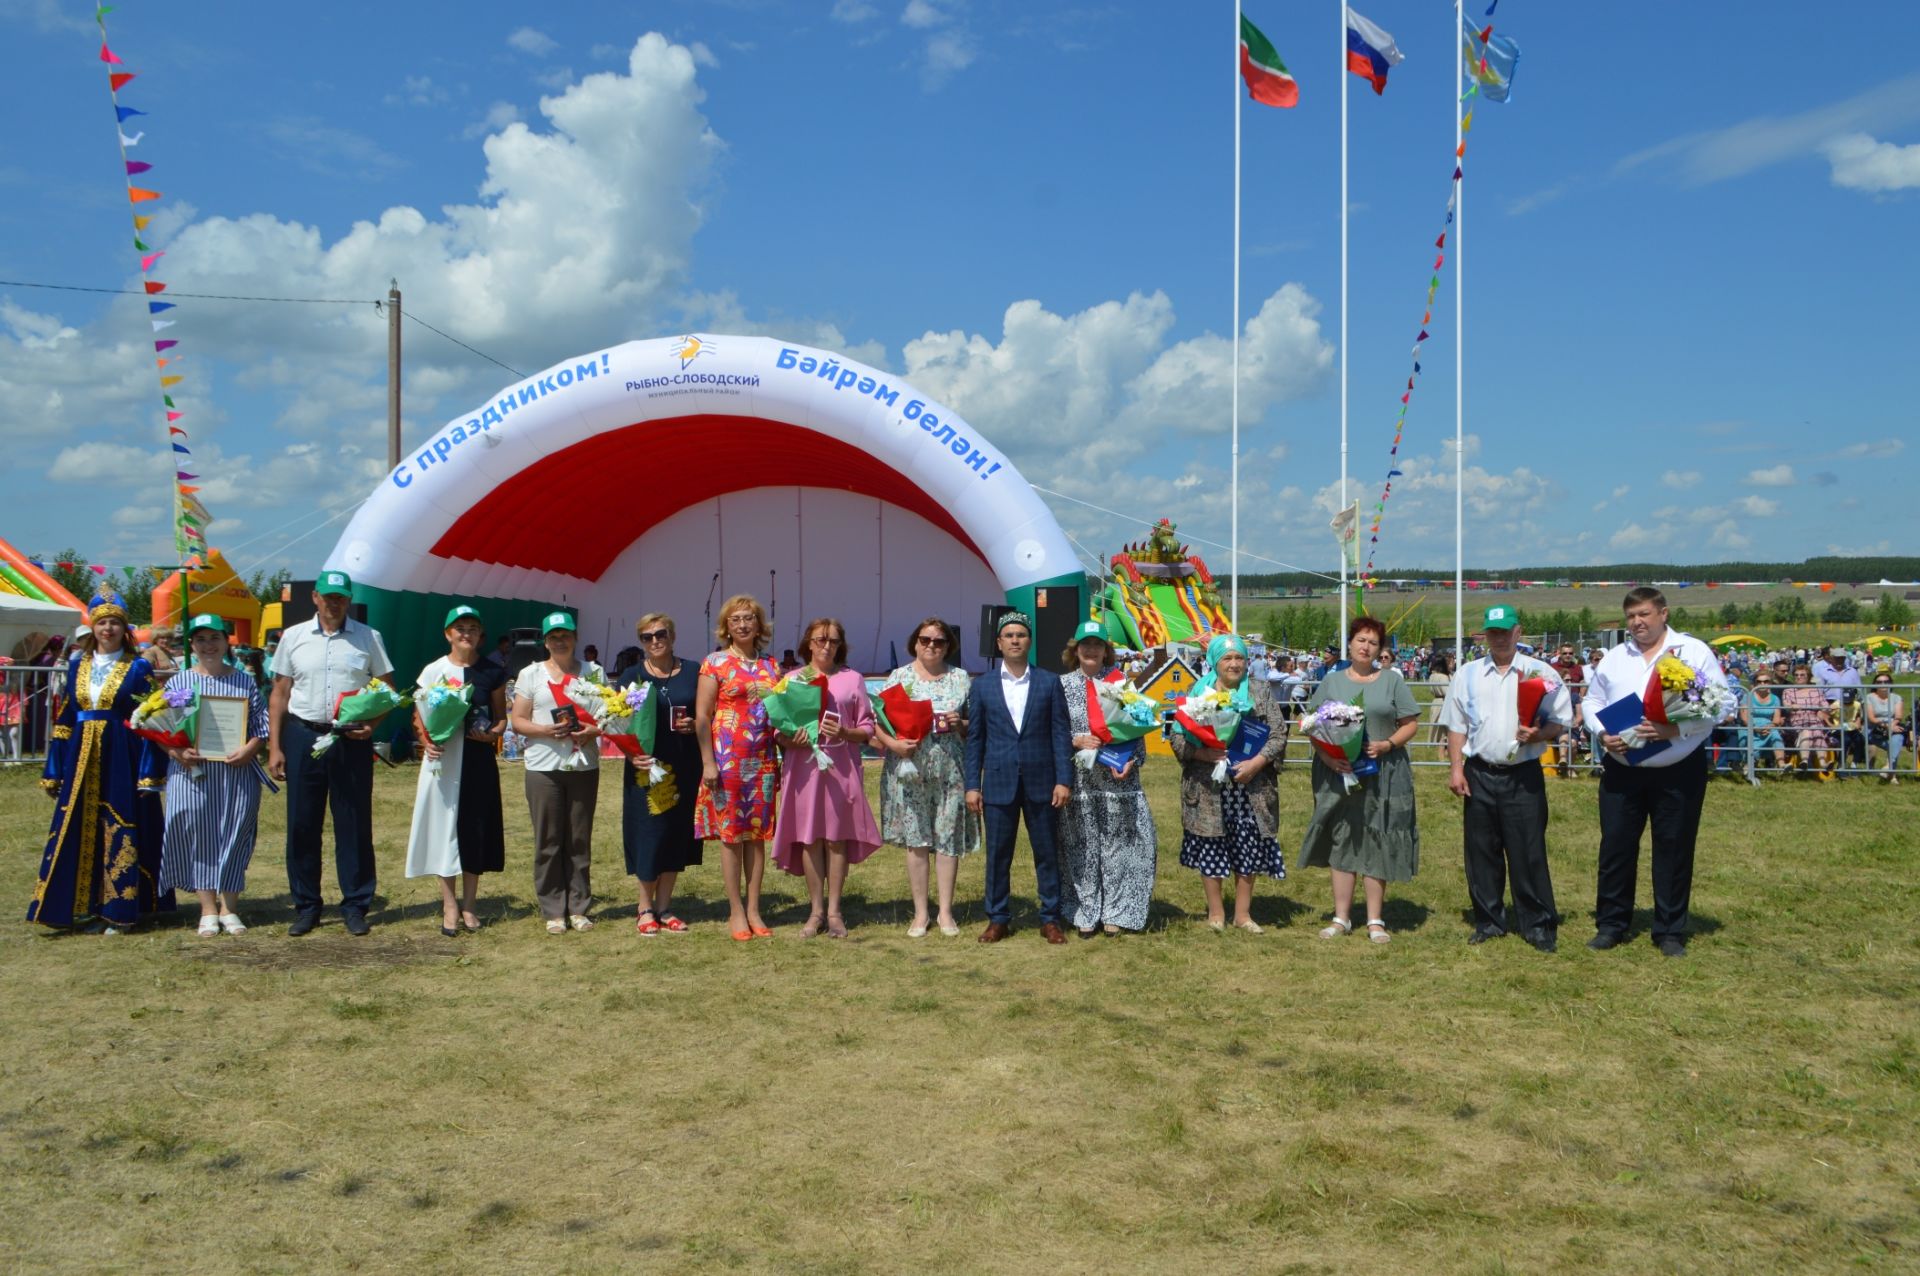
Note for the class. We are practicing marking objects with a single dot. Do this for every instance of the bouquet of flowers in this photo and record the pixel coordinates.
(794, 706)
(1531, 695)
(904, 718)
(1117, 714)
(565, 708)
(1338, 728)
(369, 704)
(443, 713)
(1210, 721)
(629, 722)
(170, 717)
(1676, 692)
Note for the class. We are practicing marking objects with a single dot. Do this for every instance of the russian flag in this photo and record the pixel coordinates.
(1371, 52)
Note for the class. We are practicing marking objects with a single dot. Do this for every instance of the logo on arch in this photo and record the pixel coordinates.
(689, 348)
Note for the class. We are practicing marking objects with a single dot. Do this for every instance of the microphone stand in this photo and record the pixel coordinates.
(711, 586)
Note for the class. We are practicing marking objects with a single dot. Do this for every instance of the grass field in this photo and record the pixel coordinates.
(1171, 1102)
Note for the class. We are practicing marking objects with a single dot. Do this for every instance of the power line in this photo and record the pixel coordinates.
(408, 314)
(197, 296)
(1292, 567)
(377, 304)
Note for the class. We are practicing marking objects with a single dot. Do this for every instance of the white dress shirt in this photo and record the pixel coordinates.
(1015, 690)
(324, 666)
(1624, 670)
(1483, 704)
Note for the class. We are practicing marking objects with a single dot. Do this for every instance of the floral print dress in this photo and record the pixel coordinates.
(739, 806)
(927, 807)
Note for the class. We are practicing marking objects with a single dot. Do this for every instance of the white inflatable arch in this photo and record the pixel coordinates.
(666, 475)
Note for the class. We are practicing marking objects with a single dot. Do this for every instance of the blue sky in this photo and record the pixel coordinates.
(1688, 249)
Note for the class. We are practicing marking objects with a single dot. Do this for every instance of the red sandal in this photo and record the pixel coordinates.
(668, 922)
(647, 923)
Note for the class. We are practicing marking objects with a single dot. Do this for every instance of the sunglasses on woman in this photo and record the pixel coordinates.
(926, 640)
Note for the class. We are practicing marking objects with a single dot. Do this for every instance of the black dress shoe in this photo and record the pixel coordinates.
(1606, 939)
(304, 923)
(1481, 935)
(1544, 940)
(355, 920)
(1670, 946)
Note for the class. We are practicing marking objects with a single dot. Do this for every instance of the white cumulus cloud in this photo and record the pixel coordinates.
(1681, 478)
(1773, 476)
(1863, 164)
(532, 42)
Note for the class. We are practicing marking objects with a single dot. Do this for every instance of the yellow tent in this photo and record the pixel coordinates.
(1880, 642)
(1739, 640)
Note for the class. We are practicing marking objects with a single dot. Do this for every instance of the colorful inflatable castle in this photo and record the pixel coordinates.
(33, 606)
(1159, 593)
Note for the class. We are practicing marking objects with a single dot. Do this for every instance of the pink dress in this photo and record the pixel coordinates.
(830, 804)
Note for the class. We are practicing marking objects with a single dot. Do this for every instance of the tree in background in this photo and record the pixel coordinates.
(1892, 612)
(1730, 615)
(265, 585)
(1791, 609)
(1842, 611)
(70, 569)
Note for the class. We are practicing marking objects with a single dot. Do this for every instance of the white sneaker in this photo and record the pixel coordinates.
(231, 923)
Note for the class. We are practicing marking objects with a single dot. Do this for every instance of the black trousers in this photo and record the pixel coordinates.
(1506, 839)
(1669, 798)
(341, 779)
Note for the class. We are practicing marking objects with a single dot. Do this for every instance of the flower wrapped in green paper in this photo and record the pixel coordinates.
(364, 707)
(629, 722)
(794, 705)
(443, 712)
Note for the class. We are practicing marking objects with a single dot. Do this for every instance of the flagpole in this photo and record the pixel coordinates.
(1234, 603)
(1341, 73)
(1459, 346)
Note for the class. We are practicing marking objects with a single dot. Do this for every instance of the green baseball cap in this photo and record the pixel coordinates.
(1089, 629)
(334, 583)
(558, 620)
(1500, 616)
(216, 623)
(461, 613)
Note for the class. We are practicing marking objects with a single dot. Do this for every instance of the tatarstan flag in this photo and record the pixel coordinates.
(1266, 75)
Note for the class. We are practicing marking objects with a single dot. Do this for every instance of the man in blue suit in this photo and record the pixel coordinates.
(1019, 761)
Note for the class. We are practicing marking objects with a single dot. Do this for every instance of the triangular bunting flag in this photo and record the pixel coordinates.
(146, 262)
(168, 344)
(139, 245)
(125, 111)
(161, 325)
(1442, 241)
(175, 416)
(137, 166)
(1423, 334)
(173, 380)
(179, 447)
(153, 286)
(135, 194)
(108, 55)
(117, 80)
(168, 400)
(155, 307)
(1466, 122)
(183, 476)
(140, 220)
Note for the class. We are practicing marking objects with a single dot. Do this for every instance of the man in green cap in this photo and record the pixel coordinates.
(1496, 768)
(330, 656)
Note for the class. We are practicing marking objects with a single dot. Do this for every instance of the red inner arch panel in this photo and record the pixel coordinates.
(701, 457)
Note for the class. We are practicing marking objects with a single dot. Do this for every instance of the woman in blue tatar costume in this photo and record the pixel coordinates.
(102, 864)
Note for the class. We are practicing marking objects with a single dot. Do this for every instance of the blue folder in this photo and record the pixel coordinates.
(1115, 757)
(1248, 740)
(1628, 712)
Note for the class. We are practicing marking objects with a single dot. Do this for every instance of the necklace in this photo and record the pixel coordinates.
(647, 664)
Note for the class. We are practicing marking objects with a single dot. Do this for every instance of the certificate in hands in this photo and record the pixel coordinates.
(221, 726)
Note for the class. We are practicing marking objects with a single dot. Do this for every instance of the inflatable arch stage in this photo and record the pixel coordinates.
(665, 475)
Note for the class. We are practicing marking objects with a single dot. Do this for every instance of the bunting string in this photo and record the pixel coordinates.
(190, 516)
(1489, 66)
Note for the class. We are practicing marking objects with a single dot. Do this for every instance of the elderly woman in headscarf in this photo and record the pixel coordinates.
(1228, 825)
(101, 867)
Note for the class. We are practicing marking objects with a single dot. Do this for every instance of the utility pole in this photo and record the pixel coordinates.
(393, 374)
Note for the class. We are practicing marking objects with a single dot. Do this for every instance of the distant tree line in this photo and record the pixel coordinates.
(1850, 571)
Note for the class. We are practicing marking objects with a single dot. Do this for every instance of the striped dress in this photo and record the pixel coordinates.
(211, 817)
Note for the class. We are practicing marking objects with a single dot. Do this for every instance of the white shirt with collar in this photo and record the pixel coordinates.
(1015, 690)
(1483, 704)
(324, 666)
(1624, 670)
